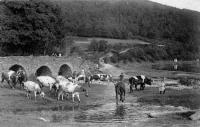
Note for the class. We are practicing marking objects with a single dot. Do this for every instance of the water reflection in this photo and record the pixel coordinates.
(175, 67)
(120, 111)
(65, 108)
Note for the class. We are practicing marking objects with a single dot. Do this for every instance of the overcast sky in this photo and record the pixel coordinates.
(188, 4)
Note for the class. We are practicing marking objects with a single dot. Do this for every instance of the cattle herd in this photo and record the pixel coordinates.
(64, 86)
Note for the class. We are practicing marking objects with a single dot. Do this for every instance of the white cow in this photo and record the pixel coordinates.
(31, 86)
(60, 78)
(48, 82)
(73, 89)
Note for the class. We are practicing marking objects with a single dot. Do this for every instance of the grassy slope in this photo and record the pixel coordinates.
(84, 42)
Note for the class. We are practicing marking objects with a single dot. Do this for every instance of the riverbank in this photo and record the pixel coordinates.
(141, 108)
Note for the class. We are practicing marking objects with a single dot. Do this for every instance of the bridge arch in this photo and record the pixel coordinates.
(65, 70)
(16, 67)
(43, 71)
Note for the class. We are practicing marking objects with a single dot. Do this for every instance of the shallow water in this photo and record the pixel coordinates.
(100, 109)
(183, 66)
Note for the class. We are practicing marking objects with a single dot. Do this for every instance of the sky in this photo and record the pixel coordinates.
(186, 4)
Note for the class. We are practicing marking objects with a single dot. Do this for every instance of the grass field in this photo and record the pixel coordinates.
(83, 42)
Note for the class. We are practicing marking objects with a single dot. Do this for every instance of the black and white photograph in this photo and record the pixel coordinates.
(99, 63)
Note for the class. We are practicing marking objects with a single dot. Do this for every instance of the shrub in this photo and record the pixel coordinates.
(114, 59)
(187, 81)
(100, 46)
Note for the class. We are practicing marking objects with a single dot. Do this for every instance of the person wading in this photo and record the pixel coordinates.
(162, 86)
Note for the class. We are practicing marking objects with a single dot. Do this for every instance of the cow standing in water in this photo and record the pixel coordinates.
(71, 88)
(139, 80)
(120, 90)
(133, 82)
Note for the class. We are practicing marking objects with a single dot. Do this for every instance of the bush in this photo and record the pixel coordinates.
(187, 81)
(100, 46)
(114, 59)
(34, 27)
(142, 53)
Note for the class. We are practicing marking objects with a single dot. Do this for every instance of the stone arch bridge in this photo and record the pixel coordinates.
(43, 65)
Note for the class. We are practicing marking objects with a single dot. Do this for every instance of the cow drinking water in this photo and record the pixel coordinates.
(73, 89)
(31, 86)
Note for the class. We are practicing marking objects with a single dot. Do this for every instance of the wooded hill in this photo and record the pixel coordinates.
(118, 19)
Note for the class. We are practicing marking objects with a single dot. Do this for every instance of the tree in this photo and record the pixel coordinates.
(33, 27)
(100, 46)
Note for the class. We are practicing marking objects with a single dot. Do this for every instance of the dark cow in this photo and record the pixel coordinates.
(139, 80)
(10, 77)
(21, 77)
(133, 81)
(95, 77)
(120, 90)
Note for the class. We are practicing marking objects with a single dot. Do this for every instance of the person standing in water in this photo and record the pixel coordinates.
(162, 86)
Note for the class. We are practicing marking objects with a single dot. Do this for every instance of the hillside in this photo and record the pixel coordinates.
(133, 19)
(178, 29)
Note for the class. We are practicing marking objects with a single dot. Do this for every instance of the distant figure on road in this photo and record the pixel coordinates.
(162, 86)
(59, 55)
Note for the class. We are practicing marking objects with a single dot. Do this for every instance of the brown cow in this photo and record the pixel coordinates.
(120, 90)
